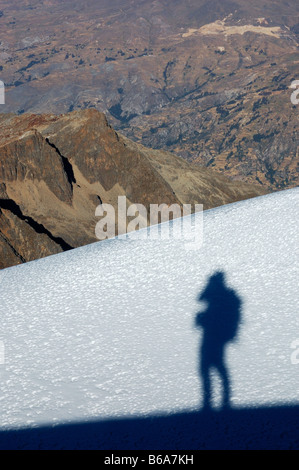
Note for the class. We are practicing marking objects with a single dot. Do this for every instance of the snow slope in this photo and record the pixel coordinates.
(108, 330)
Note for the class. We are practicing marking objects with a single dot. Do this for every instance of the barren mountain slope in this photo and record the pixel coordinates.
(55, 171)
(207, 80)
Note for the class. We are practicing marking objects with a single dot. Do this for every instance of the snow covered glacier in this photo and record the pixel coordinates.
(108, 330)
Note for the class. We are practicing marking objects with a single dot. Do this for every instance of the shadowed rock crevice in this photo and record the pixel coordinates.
(10, 205)
(15, 252)
(66, 165)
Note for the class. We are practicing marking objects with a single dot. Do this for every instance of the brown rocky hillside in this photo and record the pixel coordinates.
(55, 171)
(207, 80)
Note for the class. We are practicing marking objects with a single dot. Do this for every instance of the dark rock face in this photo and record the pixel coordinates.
(32, 158)
(55, 171)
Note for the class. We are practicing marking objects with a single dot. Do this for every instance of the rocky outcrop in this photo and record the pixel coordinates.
(55, 171)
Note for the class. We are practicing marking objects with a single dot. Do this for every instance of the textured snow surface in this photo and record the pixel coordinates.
(108, 330)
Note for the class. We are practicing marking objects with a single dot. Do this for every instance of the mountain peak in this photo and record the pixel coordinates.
(57, 169)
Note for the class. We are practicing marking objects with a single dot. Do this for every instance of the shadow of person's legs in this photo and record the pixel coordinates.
(206, 382)
(224, 375)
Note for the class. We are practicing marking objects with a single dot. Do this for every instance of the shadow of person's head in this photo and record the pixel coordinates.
(216, 286)
(223, 307)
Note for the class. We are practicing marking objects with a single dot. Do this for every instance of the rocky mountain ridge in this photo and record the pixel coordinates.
(209, 81)
(55, 171)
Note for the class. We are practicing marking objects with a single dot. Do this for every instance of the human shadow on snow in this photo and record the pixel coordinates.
(219, 322)
(274, 427)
